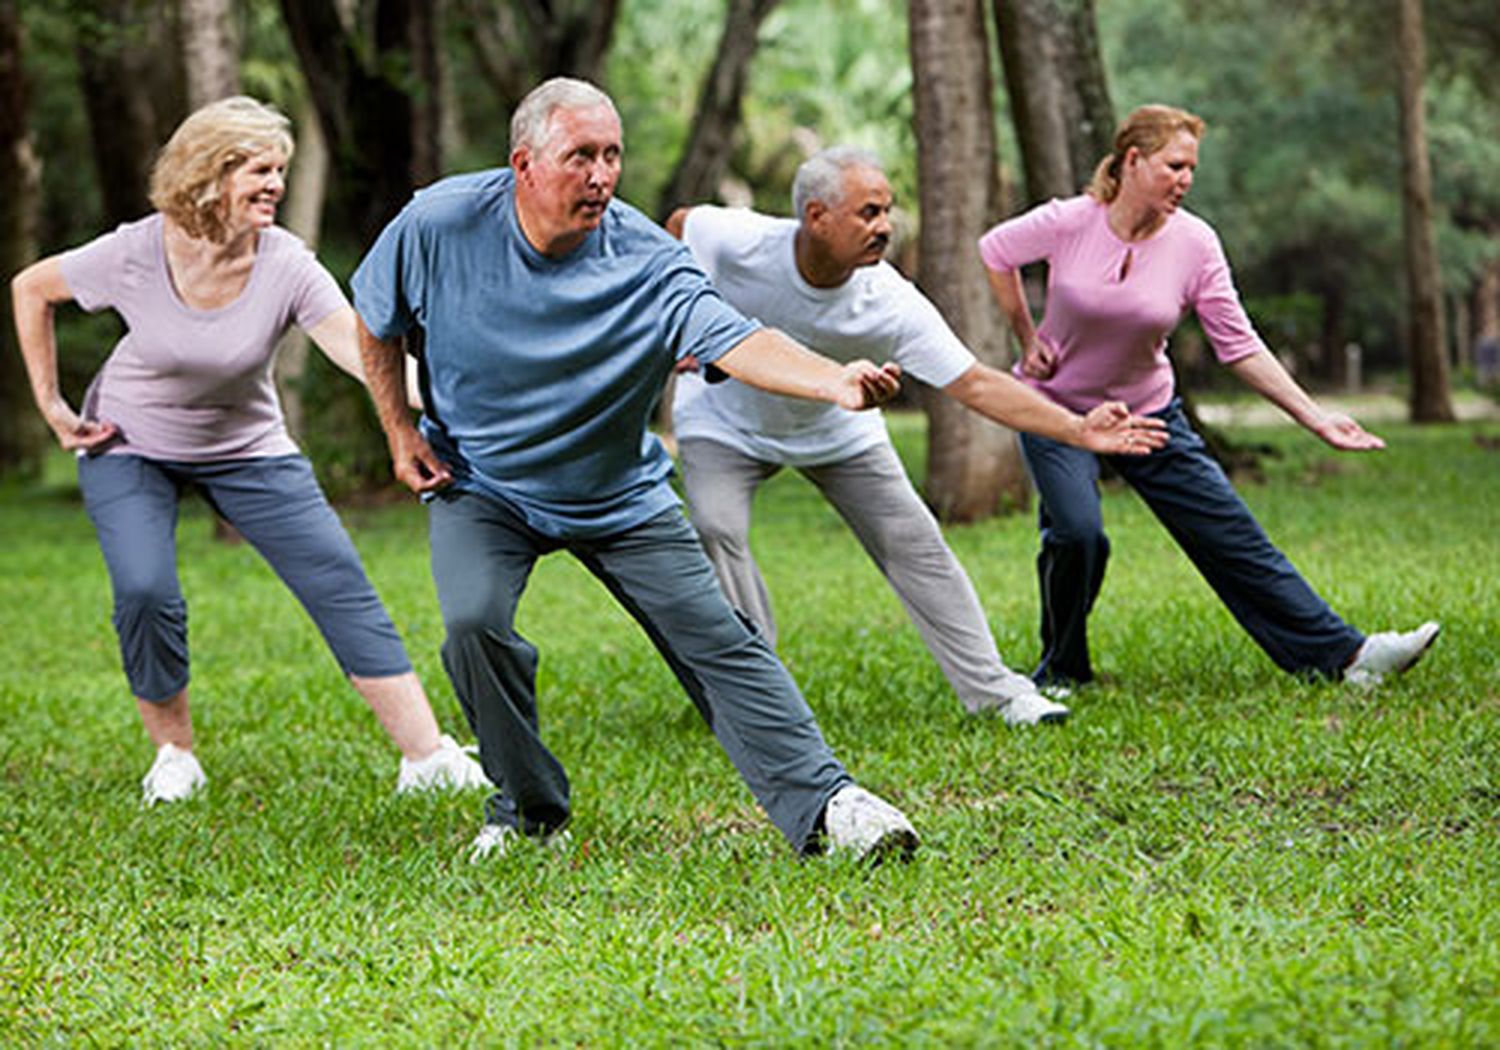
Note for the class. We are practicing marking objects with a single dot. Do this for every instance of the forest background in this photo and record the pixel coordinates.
(1349, 167)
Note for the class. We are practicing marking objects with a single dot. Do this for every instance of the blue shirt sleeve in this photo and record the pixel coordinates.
(695, 318)
(389, 285)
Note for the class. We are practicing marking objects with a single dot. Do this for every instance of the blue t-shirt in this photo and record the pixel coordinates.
(543, 372)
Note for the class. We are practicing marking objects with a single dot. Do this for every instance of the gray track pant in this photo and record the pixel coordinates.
(875, 497)
(482, 555)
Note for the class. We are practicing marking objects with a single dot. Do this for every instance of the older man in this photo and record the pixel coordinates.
(553, 315)
(821, 278)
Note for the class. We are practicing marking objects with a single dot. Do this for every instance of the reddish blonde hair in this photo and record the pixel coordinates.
(1147, 129)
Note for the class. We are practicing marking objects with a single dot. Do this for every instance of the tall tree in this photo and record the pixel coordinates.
(210, 50)
(131, 91)
(1059, 97)
(717, 117)
(373, 80)
(519, 43)
(21, 435)
(973, 465)
(1426, 346)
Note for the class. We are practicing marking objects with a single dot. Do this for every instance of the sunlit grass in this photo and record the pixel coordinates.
(1209, 852)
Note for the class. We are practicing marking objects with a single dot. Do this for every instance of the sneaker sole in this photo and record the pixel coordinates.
(1419, 653)
(900, 845)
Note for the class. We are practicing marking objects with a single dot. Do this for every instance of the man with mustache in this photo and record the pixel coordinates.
(553, 316)
(821, 278)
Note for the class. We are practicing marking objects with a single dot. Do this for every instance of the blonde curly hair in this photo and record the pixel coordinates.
(187, 180)
(1148, 129)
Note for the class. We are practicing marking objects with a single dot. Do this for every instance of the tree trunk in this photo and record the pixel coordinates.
(22, 435)
(518, 45)
(1426, 346)
(307, 184)
(1058, 93)
(380, 112)
(120, 55)
(210, 50)
(973, 466)
(717, 118)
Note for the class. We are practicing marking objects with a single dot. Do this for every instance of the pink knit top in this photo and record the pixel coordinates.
(1110, 331)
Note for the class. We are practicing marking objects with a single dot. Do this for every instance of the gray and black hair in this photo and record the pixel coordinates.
(821, 176)
(531, 123)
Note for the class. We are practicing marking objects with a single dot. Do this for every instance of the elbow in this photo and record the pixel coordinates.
(676, 221)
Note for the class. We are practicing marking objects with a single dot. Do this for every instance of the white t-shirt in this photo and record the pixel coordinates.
(877, 314)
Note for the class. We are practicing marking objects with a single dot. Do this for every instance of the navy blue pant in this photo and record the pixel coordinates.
(482, 555)
(1192, 497)
(276, 504)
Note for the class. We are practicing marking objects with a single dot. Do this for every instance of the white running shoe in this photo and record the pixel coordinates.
(496, 840)
(1389, 652)
(449, 768)
(858, 820)
(174, 776)
(1031, 709)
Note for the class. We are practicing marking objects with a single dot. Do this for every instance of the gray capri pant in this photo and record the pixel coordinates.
(276, 504)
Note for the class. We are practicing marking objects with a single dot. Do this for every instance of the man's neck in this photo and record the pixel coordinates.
(554, 246)
(815, 265)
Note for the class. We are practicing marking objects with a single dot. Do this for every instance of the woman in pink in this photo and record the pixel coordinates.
(206, 286)
(1125, 263)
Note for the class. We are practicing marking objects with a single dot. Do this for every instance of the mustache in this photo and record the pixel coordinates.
(880, 241)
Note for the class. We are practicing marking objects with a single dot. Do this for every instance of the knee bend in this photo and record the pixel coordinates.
(476, 622)
(718, 533)
(1078, 537)
(145, 600)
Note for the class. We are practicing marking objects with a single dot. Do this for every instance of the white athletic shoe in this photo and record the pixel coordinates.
(858, 820)
(174, 776)
(449, 768)
(1031, 708)
(496, 840)
(1389, 652)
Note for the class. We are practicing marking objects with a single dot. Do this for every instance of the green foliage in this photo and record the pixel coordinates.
(1210, 853)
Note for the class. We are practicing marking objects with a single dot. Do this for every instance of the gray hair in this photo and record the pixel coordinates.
(531, 124)
(821, 176)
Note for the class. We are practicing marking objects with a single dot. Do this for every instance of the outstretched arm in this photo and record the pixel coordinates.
(35, 293)
(337, 335)
(415, 464)
(1265, 375)
(773, 362)
(1108, 428)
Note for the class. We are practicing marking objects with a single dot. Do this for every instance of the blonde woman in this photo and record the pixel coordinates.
(206, 285)
(1125, 262)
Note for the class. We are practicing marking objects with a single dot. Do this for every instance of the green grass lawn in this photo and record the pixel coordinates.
(1209, 853)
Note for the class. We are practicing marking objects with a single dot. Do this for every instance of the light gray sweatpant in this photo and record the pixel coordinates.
(872, 493)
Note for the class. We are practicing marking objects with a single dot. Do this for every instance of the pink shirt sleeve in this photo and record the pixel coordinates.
(1218, 306)
(1024, 239)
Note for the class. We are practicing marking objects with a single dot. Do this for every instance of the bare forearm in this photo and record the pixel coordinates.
(384, 364)
(1009, 293)
(1004, 399)
(33, 312)
(1265, 375)
(775, 363)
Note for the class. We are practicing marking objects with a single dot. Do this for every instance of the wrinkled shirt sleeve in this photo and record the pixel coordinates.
(1025, 239)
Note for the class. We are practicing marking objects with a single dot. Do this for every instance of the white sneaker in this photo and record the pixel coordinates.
(496, 840)
(1032, 708)
(174, 776)
(1389, 652)
(1021, 703)
(449, 768)
(858, 820)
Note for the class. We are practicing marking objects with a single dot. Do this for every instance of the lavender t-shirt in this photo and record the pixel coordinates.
(1108, 320)
(188, 384)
